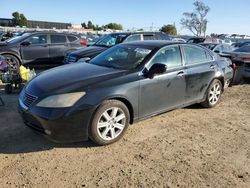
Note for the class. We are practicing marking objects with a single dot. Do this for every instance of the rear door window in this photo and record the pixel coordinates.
(196, 55)
(218, 49)
(170, 56)
(149, 37)
(58, 39)
(227, 48)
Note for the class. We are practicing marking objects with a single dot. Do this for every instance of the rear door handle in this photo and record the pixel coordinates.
(180, 74)
(212, 67)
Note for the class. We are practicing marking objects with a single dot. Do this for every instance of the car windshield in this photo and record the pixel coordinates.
(17, 39)
(209, 46)
(243, 49)
(110, 40)
(125, 57)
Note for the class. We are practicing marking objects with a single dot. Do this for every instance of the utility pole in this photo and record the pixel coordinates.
(152, 26)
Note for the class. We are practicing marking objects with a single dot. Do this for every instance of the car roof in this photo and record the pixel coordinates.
(153, 43)
(210, 43)
(139, 32)
(50, 32)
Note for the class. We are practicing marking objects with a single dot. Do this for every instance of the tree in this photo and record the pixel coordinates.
(90, 25)
(84, 25)
(19, 19)
(97, 27)
(16, 18)
(169, 29)
(23, 20)
(196, 21)
(114, 26)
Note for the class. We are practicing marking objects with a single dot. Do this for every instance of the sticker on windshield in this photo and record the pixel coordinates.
(142, 50)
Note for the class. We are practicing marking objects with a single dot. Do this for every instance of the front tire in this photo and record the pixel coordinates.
(14, 61)
(109, 123)
(213, 94)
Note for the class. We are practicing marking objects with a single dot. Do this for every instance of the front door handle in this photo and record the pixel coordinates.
(212, 67)
(180, 74)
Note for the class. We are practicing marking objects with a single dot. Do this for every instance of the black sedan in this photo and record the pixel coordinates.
(110, 40)
(241, 58)
(127, 83)
(218, 48)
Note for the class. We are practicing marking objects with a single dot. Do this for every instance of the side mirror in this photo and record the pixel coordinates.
(156, 69)
(217, 51)
(26, 43)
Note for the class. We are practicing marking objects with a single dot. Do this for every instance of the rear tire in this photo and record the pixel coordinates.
(213, 94)
(109, 123)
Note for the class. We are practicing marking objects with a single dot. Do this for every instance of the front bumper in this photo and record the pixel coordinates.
(58, 125)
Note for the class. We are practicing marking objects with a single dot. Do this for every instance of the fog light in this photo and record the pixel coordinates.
(47, 132)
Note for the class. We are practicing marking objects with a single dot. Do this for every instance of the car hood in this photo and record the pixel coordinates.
(70, 78)
(90, 51)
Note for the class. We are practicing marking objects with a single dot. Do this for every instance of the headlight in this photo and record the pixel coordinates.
(61, 101)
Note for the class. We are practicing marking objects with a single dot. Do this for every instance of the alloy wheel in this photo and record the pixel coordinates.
(111, 123)
(214, 94)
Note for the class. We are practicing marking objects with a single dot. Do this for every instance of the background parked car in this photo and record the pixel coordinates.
(110, 40)
(220, 49)
(241, 58)
(1, 34)
(124, 84)
(196, 40)
(6, 36)
(40, 48)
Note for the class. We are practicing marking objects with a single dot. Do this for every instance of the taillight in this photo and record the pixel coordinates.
(84, 42)
(233, 66)
(245, 59)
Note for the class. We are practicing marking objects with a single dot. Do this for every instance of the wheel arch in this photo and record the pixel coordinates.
(13, 54)
(125, 101)
(128, 105)
(221, 79)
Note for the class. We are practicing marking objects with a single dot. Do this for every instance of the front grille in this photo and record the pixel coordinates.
(70, 59)
(28, 99)
(66, 59)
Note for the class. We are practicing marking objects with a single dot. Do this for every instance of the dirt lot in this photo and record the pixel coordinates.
(191, 147)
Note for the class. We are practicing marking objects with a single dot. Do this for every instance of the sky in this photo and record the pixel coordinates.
(225, 16)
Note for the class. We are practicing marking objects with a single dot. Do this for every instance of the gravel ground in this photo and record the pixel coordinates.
(191, 147)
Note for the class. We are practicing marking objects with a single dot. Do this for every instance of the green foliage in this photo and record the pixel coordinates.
(90, 25)
(84, 25)
(19, 19)
(114, 26)
(169, 29)
(196, 21)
